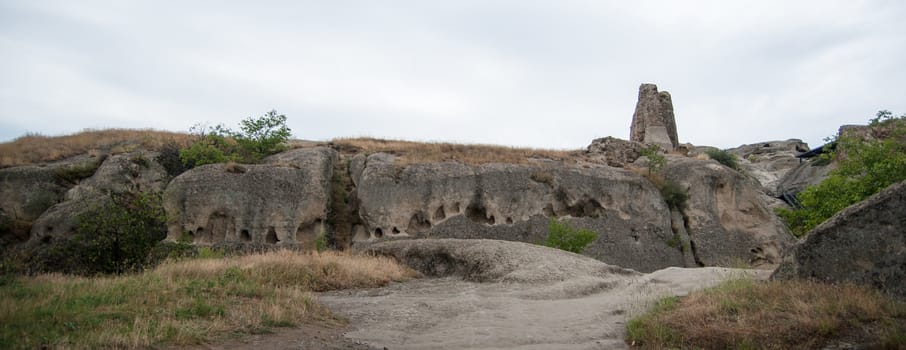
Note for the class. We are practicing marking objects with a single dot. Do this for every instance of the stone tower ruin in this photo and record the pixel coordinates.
(653, 121)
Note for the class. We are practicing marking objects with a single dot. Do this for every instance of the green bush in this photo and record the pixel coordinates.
(562, 236)
(674, 194)
(723, 157)
(114, 235)
(257, 138)
(865, 167)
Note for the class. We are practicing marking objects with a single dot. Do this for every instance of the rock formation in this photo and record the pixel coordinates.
(283, 201)
(768, 162)
(613, 151)
(653, 121)
(863, 244)
(725, 215)
(516, 202)
(132, 172)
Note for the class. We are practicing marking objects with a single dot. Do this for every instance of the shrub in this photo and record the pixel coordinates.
(723, 157)
(114, 235)
(210, 147)
(865, 167)
(674, 194)
(257, 138)
(562, 236)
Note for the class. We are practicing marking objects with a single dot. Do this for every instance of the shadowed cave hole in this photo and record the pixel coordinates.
(440, 214)
(378, 233)
(245, 236)
(479, 214)
(418, 223)
(395, 230)
(271, 237)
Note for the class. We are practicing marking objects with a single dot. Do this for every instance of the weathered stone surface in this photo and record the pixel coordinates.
(484, 260)
(768, 162)
(805, 174)
(864, 244)
(516, 202)
(653, 121)
(725, 215)
(613, 151)
(284, 201)
(26, 191)
(132, 172)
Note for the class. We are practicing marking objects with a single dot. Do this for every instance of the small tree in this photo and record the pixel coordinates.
(656, 160)
(562, 236)
(264, 135)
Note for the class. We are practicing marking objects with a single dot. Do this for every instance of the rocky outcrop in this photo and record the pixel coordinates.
(769, 162)
(516, 203)
(864, 244)
(725, 216)
(283, 201)
(653, 121)
(124, 173)
(808, 173)
(483, 260)
(613, 151)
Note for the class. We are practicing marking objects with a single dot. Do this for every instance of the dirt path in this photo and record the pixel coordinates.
(494, 295)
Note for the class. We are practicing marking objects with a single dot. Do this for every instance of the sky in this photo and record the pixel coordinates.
(545, 74)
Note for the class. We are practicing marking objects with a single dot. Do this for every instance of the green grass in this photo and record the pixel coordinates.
(180, 303)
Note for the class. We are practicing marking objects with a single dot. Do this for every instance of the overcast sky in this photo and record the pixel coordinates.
(550, 74)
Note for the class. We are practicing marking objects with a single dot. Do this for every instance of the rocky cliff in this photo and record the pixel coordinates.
(283, 201)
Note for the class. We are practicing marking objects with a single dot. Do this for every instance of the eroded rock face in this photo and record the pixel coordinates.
(653, 121)
(516, 203)
(725, 215)
(613, 151)
(283, 201)
(132, 172)
(769, 162)
(863, 244)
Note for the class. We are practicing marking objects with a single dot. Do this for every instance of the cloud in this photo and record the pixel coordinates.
(527, 73)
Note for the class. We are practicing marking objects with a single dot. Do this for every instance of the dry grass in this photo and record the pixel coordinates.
(746, 314)
(409, 152)
(185, 302)
(32, 149)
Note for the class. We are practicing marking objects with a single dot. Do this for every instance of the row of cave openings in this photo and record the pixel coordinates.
(478, 213)
(222, 228)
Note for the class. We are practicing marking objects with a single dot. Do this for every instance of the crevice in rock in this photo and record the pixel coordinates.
(343, 210)
(585, 207)
(692, 248)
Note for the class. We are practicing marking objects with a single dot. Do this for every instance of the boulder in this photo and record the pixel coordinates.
(516, 203)
(653, 121)
(725, 215)
(768, 162)
(864, 244)
(132, 172)
(283, 201)
(613, 151)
